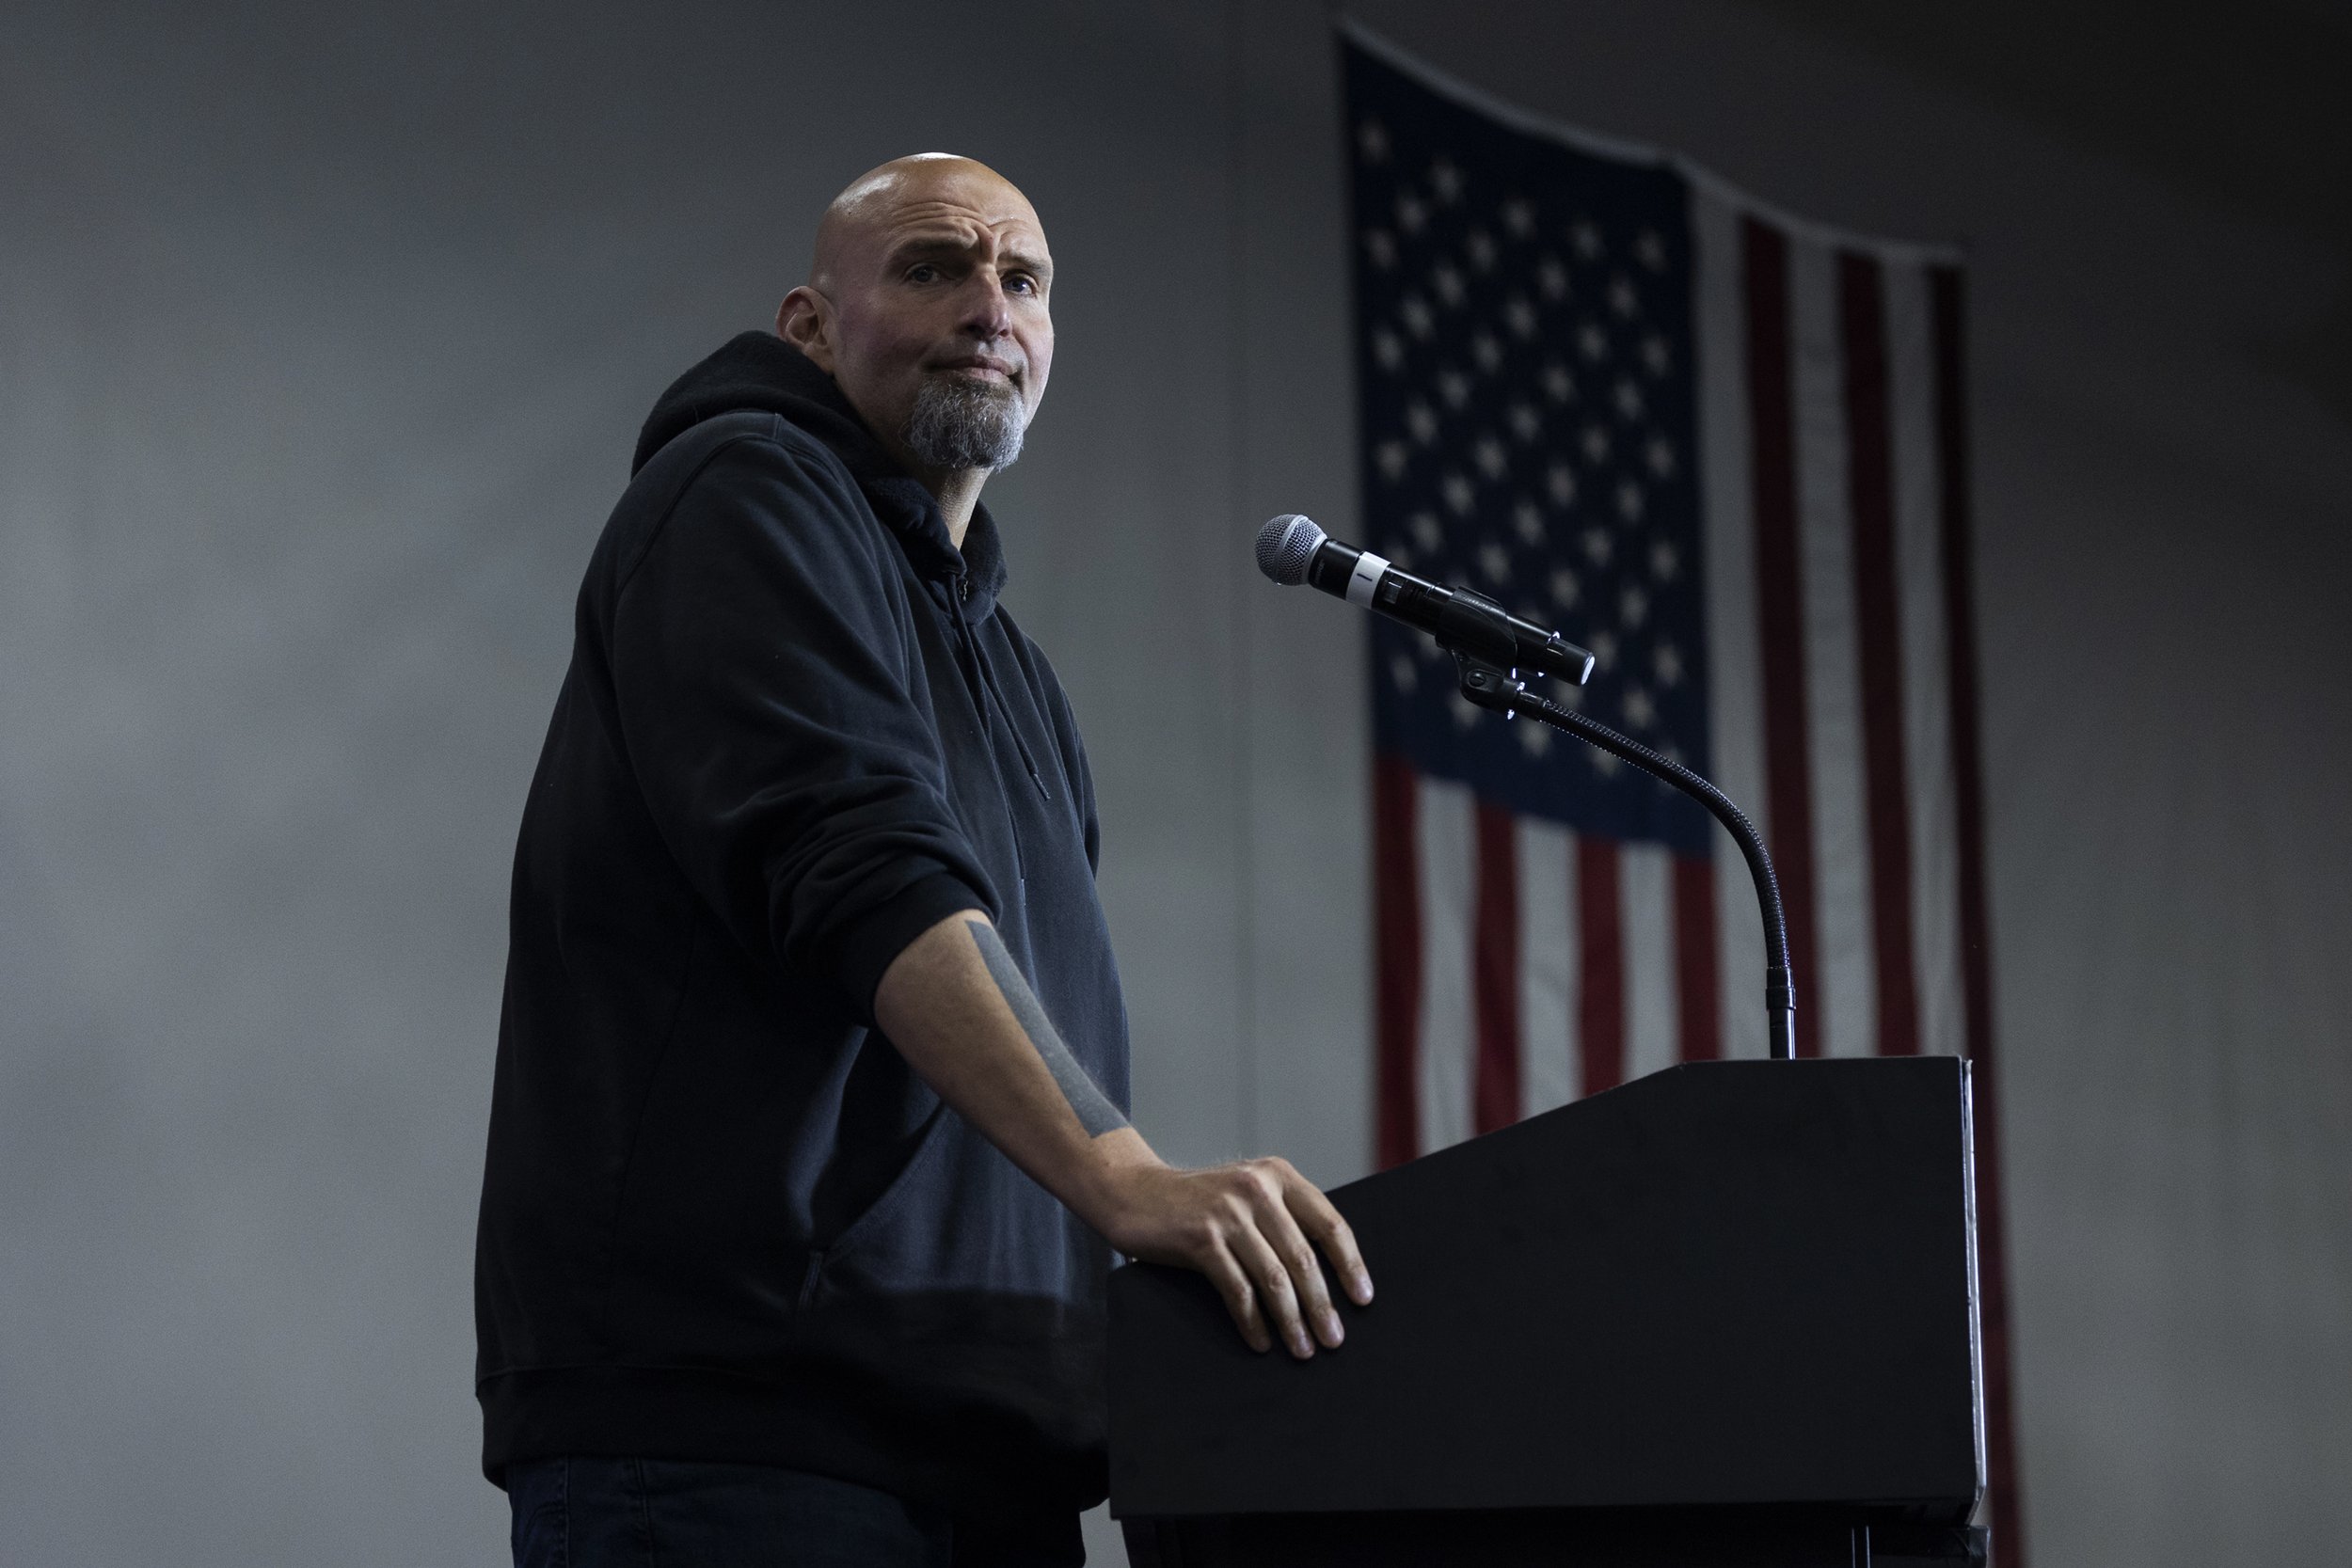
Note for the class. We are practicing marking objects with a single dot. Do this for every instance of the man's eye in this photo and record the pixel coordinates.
(1020, 283)
(922, 271)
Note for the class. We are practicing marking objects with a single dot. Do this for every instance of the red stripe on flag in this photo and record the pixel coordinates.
(1396, 926)
(1600, 965)
(1495, 971)
(1699, 1001)
(1879, 647)
(1780, 605)
(1975, 960)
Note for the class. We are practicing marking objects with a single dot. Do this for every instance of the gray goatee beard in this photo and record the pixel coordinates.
(961, 423)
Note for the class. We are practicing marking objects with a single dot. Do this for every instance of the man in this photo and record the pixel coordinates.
(807, 1135)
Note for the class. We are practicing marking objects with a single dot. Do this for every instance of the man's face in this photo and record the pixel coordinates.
(931, 306)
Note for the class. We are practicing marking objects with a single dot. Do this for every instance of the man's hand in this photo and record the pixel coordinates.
(1252, 1227)
(958, 1010)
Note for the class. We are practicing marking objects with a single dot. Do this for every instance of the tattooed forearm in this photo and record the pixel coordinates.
(1096, 1114)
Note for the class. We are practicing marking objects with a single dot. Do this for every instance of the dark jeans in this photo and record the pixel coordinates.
(663, 1513)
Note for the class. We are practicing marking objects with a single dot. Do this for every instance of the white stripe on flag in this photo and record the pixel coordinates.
(1546, 967)
(1735, 695)
(1841, 849)
(1927, 660)
(1446, 841)
(1652, 1020)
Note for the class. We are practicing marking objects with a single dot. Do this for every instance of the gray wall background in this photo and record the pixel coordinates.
(323, 336)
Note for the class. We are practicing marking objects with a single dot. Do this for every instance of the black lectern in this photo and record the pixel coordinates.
(1724, 1315)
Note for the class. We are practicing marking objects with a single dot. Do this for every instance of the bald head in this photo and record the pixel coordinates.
(929, 285)
(869, 204)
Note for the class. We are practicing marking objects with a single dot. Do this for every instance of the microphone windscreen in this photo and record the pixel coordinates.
(1285, 544)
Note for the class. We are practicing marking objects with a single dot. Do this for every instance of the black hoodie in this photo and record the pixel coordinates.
(720, 1219)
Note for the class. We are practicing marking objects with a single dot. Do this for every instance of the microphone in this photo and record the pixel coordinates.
(1292, 549)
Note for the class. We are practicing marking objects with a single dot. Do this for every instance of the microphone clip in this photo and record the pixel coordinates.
(1477, 632)
(1487, 686)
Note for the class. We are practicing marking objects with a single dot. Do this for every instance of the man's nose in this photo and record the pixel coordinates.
(987, 314)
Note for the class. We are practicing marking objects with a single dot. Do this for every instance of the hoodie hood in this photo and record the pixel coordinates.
(760, 371)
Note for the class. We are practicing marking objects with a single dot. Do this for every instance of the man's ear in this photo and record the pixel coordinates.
(804, 320)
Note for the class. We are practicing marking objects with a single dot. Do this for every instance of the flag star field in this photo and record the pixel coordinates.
(1530, 423)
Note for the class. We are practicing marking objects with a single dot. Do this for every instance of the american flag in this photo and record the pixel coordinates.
(1725, 449)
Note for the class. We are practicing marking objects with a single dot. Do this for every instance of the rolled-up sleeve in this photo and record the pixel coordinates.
(764, 675)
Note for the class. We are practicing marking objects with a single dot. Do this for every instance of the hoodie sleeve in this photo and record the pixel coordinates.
(761, 672)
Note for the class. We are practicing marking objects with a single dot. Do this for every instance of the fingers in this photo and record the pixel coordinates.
(1256, 1240)
(1301, 1272)
(1316, 1216)
(1275, 1290)
(1241, 1297)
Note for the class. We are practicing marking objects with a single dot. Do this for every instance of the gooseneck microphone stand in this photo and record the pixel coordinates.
(1499, 690)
